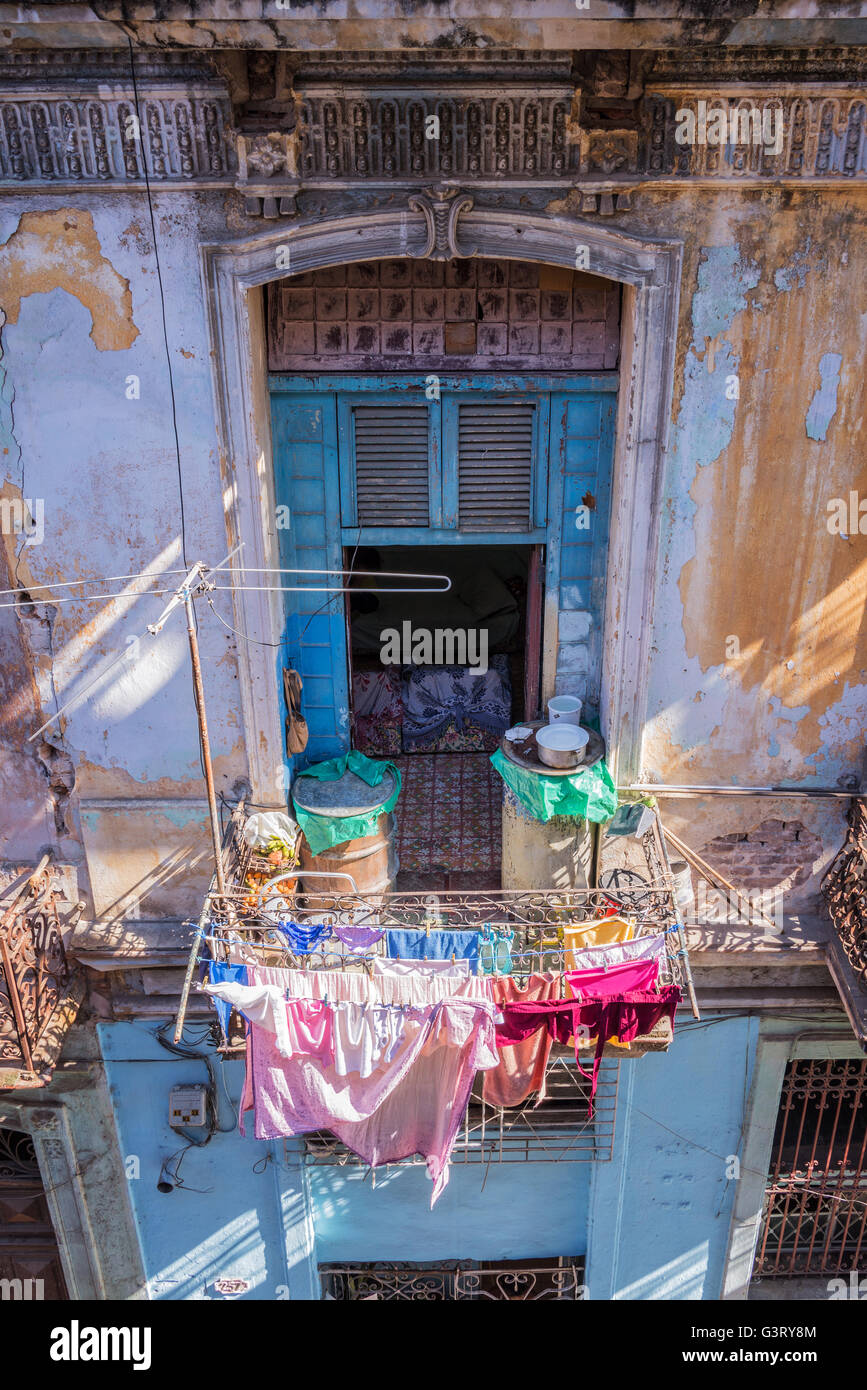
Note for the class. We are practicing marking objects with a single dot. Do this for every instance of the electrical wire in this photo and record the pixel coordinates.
(161, 293)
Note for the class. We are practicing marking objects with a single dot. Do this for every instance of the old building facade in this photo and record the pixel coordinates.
(238, 256)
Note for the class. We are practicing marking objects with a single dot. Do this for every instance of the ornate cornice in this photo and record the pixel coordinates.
(68, 120)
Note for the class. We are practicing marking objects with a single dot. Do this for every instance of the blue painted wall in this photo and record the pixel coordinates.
(509, 1212)
(243, 1213)
(653, 1221)
(660, 1212)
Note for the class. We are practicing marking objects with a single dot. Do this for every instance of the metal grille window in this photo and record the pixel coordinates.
(815, 1219)
(392, 465)
(495, 466)
(443, 1281)
(556, 1131)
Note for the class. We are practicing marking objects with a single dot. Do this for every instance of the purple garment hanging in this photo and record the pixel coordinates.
(359, 938)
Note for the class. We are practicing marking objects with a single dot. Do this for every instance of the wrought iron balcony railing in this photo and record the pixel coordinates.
(845, 890)
(446, 1281)
(40, 993)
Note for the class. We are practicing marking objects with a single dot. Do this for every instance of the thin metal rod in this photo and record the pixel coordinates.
(191, 965)
(97, 579)
(702, 865)
(199, 692)
(87, 598)
(669, 789)
(659, 835)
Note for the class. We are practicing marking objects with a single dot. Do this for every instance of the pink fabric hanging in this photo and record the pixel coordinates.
(412, 1103)
(522, 1064)
(615, 979)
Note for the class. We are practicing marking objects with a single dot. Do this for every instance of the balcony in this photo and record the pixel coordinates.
(40, 993)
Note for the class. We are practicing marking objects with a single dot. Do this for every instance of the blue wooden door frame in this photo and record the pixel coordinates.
(310, 416)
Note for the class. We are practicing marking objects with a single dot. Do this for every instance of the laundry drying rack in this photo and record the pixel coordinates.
(534, 917)
(558, 1131)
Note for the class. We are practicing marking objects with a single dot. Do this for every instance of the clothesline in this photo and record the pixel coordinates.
(386, 1062)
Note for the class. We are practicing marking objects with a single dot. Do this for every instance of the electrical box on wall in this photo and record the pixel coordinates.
(188, 1105)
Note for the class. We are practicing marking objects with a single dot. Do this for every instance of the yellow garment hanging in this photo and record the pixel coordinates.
(606, 932)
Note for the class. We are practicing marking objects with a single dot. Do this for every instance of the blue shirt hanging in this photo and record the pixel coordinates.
(413, 943)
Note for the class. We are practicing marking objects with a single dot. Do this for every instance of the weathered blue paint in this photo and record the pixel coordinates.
(794, 275)
(653, 1221)
(243, 1213)
(312, 436)
(306, 480)
(582, 442)
(660, 1211)
(823, 406)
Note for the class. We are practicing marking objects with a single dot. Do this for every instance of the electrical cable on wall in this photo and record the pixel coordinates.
(161, 293)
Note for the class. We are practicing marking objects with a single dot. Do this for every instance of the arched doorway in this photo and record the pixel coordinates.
(30, 1267)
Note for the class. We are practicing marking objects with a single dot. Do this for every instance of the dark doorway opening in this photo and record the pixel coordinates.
(435, 681)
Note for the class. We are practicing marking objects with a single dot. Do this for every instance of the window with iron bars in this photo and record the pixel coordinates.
(815, 1217)
(443, 1281)
(558, 1130)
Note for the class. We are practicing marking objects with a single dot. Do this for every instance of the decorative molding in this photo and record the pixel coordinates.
(652, 270)
(67, 120)
(823, 132)
(441, 207)
(49, 137)
(484, 132)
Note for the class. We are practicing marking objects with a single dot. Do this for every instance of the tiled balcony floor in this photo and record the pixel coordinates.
(449, 822)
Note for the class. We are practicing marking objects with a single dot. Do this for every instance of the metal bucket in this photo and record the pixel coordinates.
(371, 862)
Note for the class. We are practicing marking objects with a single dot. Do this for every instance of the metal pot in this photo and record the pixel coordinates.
(560, 745)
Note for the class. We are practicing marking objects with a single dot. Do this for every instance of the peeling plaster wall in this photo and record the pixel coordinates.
(85, 411)
(758, 651)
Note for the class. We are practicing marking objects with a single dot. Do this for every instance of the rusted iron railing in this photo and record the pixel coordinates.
(815, 1217)
(39, 992)
(845, 890)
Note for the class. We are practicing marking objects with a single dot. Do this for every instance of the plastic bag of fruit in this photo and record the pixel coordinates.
(274, 836)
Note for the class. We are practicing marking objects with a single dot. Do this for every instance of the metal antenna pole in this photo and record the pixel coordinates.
(184, 594)
(199, 692)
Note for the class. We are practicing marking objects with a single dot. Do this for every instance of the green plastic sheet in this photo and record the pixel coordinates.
(322, 832)
(589, 794)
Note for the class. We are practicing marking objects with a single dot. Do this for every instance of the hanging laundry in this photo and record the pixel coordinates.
(414, 943)
(359, 939)
(300, 1026)
(412, 1104)
(621, 1018)
(522, 1064)
(412, 988)
(301, 940)
(459, 969)
(602, 933)
(641, 948)
(613, 979)
(219, 973)
(368, 1037)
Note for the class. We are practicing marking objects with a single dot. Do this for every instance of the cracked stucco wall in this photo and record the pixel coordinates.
(86, 424)
(758, 651)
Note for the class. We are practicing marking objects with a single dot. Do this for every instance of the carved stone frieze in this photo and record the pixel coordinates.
(178, 135)
(70, 119)
(448, 131)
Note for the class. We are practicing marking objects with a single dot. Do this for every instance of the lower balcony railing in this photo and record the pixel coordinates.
(39, 992)
(556, 1131)
(443, 1281)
